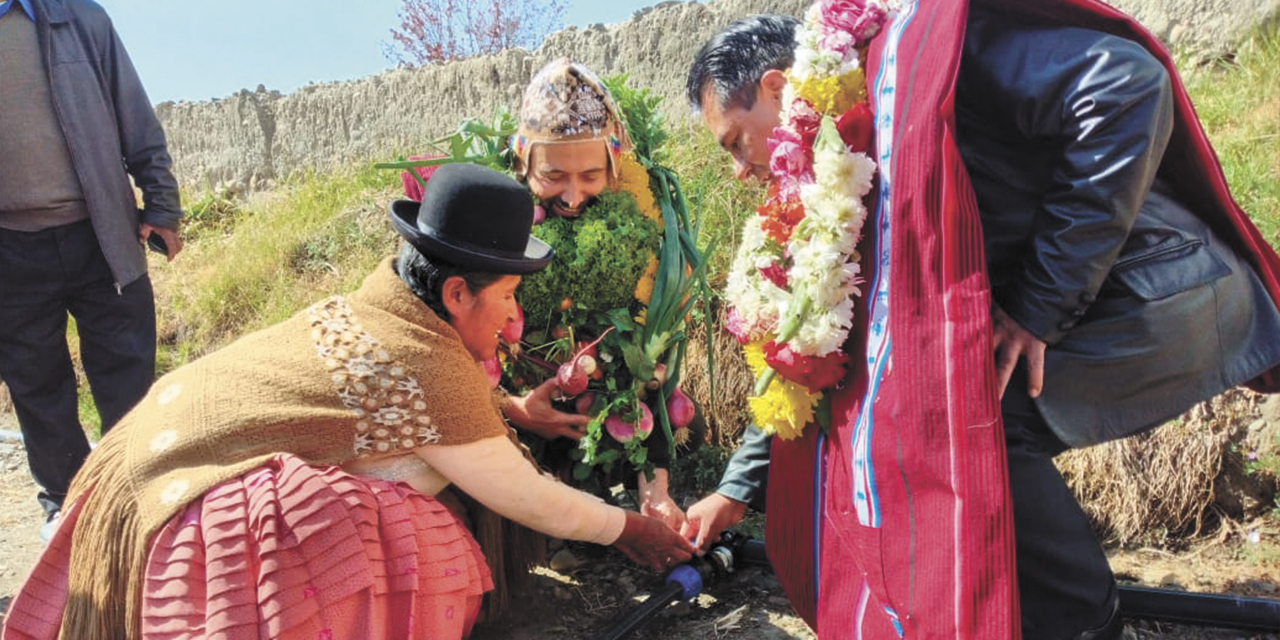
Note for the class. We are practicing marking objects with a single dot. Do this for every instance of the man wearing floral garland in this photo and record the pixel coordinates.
(1045, 194)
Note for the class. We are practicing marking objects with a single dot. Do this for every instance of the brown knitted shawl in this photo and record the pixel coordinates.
(375, 372)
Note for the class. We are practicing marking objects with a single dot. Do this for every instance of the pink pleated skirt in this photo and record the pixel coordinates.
(294, 552)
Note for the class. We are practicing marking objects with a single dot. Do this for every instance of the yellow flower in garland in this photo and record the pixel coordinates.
(833, 95)
(786, 407)
(634, 179)
(644, 288)
(753, 353)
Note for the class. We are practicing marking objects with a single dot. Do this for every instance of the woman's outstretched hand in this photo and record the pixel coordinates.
(652, 544)
(534, 412)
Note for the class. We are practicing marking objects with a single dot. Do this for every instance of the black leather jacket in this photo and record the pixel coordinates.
(1062, 144)
(1145, 310)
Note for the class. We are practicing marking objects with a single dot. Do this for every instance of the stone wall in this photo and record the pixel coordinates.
(249, 139)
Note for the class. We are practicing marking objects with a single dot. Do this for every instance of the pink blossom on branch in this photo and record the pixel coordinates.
(435, 31)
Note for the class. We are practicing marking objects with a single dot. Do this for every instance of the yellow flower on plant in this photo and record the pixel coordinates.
(634, 179)
(833, 95)
(644, 287)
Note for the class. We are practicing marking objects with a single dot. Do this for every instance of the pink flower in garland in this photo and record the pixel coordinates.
(776, 274)
(737, 326)
(804, 121)
(789, 157)
(861, 19)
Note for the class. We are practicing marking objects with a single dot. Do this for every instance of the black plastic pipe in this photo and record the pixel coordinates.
(1196, 609)
(636, 617)
(1200, 609)
(683, 583)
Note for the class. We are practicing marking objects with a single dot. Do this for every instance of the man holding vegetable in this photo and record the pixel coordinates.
(568, 150)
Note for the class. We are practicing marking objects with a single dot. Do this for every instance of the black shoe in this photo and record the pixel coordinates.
(1112, 630)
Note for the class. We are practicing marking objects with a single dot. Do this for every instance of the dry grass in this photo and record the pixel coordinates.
(725, 410)
(1165, 484)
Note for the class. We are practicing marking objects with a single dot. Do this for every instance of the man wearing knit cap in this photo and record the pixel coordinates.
(566, 151)
(569, 138)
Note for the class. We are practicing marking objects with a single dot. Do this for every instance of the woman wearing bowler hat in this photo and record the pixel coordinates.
(299, 483)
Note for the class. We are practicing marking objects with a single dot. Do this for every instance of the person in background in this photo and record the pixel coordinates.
(75, 126)
(1112, 250)
(304, 481)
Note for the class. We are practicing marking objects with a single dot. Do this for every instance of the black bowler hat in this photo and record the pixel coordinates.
(475, 218)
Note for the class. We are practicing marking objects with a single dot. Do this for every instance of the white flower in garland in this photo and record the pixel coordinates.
(758, 302)
(793, 282)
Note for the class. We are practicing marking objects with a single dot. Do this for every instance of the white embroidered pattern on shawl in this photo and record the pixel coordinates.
(388, 403)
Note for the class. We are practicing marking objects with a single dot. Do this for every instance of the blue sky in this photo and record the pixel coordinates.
(199, 50)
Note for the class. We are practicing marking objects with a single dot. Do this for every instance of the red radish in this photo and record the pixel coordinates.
(493, 370)
(573, 375)
(514, 329)
(680, 409)
(589, 349)
(583, 404)
(624, 433)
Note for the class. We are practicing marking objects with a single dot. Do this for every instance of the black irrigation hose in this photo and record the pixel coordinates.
(1196, 609)
(636, 617)
(683, 583)
(1200, 609)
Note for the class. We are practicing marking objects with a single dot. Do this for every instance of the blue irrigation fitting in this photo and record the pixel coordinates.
(689, 578)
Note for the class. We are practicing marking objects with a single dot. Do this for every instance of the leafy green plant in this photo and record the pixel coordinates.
(600, 255)
(1237, 101)
(474, 141)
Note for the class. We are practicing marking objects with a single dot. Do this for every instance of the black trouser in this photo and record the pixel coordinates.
(45, 275)
(1065, 584)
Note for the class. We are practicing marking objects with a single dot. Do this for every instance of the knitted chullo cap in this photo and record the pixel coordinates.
(566, 102)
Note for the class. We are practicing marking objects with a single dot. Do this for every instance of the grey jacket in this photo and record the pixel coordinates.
(1145, 309)
(110, 128)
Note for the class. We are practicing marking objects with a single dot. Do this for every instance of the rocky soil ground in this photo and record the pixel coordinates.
(593, 586)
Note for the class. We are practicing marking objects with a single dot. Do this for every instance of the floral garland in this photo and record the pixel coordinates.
(791, 285)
